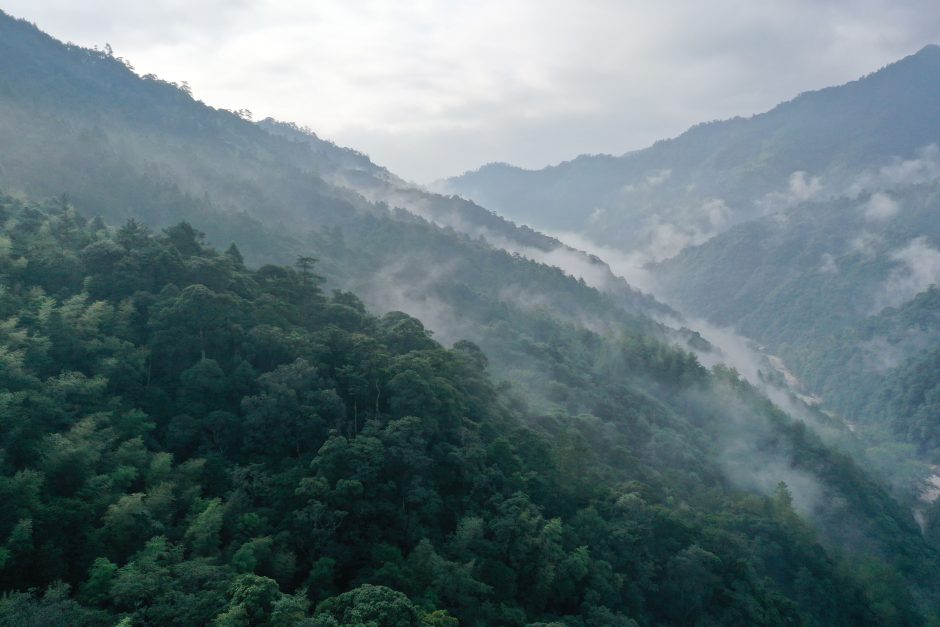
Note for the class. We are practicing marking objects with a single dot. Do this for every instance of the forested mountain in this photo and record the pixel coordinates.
(796, 227)
(807, 272)
(842, 289)
(188, 441)
(82, 123)
(884, 369)
(682, 191)
(190, 436)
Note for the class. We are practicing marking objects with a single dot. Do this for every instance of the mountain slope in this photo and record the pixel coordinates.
(80, 124)
(682, 191)
(190, 441)
(883, 369)
(812, 270)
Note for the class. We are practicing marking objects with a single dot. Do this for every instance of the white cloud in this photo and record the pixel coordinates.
(659, 177)
(801, 187)
(880, 207)
(627, 266)
(923, 168)
(689, 226)
(865, 244)
(918, 269)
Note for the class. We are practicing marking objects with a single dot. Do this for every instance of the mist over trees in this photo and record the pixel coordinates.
(248, 377)
(810, 229)
(190, 441)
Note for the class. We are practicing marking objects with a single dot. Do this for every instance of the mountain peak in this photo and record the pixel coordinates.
(922, 65)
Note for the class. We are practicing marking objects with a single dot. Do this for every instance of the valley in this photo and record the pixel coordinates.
(251, 377)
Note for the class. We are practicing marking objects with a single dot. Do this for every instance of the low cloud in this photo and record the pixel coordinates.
(659, 177)
(572, 262)
(395, 288)
(629, 266)
(753, 457)
(865, 244)
(880, 207)
(801, 187)
(918, 268)
(804, 187)
(689, 226)
(923, 168)
(652, 179)
(667, 239)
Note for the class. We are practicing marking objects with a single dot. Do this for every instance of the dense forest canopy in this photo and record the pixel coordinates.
(186, 440)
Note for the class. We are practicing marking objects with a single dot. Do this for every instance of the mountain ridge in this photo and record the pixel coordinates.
(628, 201)
(931, 51)
(204, 161)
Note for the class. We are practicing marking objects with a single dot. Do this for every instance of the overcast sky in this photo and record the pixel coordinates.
(431, 89)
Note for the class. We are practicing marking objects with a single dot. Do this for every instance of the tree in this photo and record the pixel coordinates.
(233, 253)
(310, 282)
(97, 588)
(690, 583)
(202, 535)
(184, 238)
(368, 604)
(251, 600)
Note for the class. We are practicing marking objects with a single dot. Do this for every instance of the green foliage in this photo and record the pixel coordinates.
(239, 454)
(368, 605)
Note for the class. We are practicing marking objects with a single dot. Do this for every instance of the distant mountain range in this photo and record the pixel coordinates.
(679, 192)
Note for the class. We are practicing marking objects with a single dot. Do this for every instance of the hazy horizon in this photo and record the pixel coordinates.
(431, 90)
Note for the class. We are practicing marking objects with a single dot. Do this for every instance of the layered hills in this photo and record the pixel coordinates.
(252, 378)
